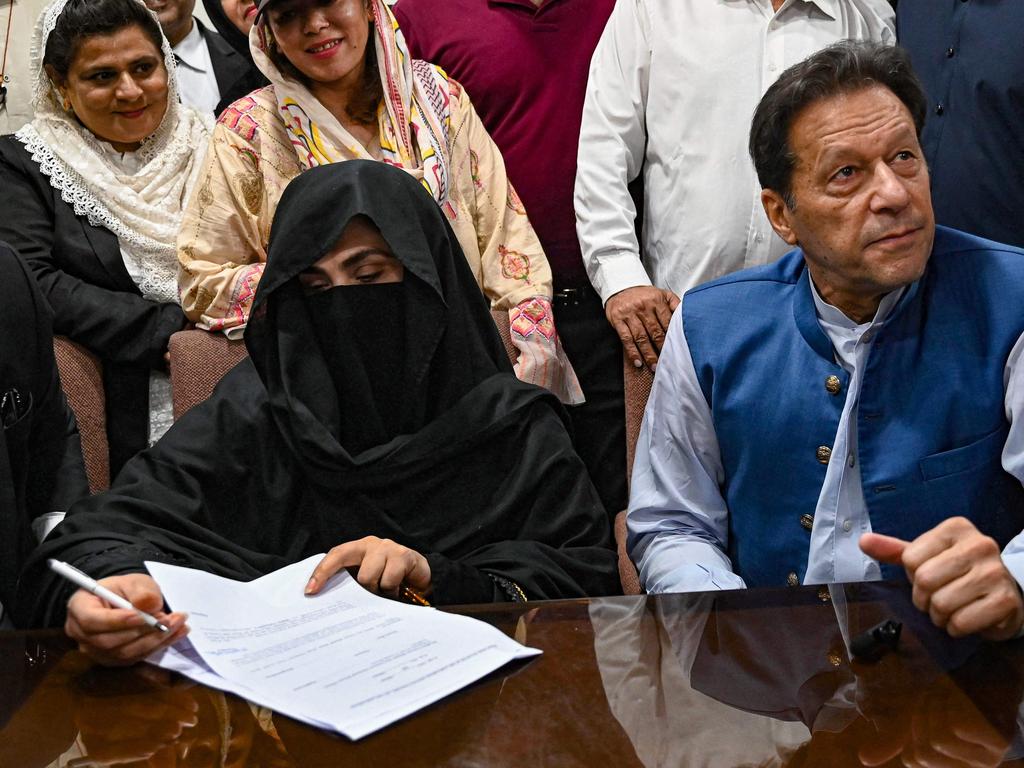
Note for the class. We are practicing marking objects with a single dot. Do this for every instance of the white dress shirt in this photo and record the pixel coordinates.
(196, 79)
(678, 518)
(673, 87)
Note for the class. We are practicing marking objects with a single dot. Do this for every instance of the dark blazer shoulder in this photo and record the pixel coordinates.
(16, 155)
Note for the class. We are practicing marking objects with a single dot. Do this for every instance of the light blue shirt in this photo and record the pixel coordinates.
(678, 518)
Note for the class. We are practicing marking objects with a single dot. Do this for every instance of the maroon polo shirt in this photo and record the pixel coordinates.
(525, 69)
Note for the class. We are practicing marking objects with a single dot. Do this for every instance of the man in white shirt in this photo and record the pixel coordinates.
(672, 88)
(207, 66)
(854, 410)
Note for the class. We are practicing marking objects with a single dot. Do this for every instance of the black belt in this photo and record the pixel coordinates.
(573, 295)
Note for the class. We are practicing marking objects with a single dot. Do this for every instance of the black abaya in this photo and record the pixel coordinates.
(482, 478)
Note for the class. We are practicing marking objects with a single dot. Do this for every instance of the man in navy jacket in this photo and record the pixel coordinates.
(853, 411)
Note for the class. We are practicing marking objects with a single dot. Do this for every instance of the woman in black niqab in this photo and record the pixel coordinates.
(351, 421)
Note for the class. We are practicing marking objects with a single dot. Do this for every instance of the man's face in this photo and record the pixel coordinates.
(863, 211)
(175, 17)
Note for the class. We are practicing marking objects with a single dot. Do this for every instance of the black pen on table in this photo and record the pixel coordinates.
(89, 584)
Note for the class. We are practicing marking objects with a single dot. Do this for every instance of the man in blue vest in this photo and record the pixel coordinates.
(855, 410)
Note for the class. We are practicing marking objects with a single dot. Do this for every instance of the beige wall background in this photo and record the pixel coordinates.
(200, 13)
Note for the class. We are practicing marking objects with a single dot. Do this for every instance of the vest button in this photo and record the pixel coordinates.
(824, 454)
(833, 385)
(793, 580)
(823, 594)
(807, 521)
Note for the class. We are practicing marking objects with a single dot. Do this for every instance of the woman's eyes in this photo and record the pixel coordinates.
(144, 69)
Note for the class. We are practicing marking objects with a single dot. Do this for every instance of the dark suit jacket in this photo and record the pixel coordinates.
(94, 302)
(41, 467)
(236, 76)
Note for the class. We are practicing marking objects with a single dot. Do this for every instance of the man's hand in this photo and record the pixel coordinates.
(384, 566)
(118, 636)
(958, 578)
(640, 316)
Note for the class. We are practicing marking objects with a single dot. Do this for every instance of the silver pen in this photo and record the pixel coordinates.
(82, 580)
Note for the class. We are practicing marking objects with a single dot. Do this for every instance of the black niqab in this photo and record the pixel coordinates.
(361, 333)
(450, 342)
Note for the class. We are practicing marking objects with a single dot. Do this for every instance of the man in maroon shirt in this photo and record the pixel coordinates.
(525, 64)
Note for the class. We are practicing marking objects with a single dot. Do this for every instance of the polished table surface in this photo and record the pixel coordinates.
(746, 678)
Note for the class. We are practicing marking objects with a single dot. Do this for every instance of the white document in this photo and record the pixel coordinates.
(344, 659)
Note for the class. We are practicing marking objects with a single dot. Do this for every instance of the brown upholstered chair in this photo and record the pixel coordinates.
(81, 376)
(637, 383)
(200, 359)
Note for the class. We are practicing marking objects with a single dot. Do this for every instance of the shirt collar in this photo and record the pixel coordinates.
(828, 7)
(190, 50)
(835, 316)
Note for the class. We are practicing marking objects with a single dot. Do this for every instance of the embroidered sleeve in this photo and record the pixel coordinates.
(222, 242)
(541, 359)
(513, 267)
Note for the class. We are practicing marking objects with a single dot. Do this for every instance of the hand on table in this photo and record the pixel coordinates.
(640, 317)
(118, 636)
(958, 578)
(384, 565)
(941, 727)
(915, 725)
(148, 718)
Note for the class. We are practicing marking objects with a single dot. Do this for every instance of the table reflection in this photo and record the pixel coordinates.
(745, 678)
(80, 715)
(765, 679)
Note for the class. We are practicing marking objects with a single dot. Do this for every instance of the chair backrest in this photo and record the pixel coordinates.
(81, 376)
(637, 383)
(199, 359)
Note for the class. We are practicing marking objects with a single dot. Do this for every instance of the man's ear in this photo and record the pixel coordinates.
(779, 215)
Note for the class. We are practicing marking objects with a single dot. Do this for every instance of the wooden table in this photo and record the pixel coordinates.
(758, 677)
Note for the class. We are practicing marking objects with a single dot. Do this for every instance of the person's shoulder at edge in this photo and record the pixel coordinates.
(13, 152)
(786, 270)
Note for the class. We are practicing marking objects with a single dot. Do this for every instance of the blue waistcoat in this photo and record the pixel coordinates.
(931, 423)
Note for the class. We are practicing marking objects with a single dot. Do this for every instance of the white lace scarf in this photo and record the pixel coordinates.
(139, 196)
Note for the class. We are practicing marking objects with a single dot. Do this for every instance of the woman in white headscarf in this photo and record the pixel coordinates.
(92, 198)
(344, 87)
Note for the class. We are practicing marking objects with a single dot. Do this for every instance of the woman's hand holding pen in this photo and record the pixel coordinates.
(118, 636)
(384, 566)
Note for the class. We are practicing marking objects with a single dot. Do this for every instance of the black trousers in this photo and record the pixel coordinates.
(599, 424)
